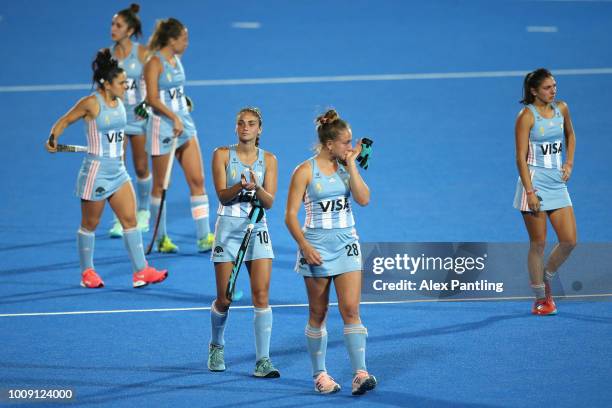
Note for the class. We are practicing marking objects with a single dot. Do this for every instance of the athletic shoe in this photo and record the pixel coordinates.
(116, 231)
(90, 279)
(205, 244)
(542, 307)
(324, 384)
(265, 369)
(166, 246)
(148, 275)
(216, 361)
(363, 382)
(142, 218)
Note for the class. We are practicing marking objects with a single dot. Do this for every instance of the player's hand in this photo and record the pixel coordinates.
(533, 201)
(312, 256)
(352, 154)
(252, 183)
(141, 111)
(177, 126)
(190, 104)
(51, 144)
(566, 171)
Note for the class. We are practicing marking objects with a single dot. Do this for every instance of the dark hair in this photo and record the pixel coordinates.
(532, 81)
(130, 15)
(329, 126)
(105, 67)
(164, 31)
(255, 111)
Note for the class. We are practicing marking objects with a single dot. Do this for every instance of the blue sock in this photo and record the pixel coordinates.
(133, 243)
(263, 331)
(217, 325)
(199, 212)
(155, 203)
(85, 243)
(316, 339)
(143, 191)
(355, 341)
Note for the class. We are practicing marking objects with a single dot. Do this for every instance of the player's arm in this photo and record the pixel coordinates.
(219, 164)
(570, 141)
(297, 189)
(85, 108)
(266, 192)
(524, 123)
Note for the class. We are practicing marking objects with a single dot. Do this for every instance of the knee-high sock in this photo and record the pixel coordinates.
(133, 243)
(85, 244)
(355, 341)
(155, 204)
(316, 339)
(263, 332)
(217, 325)
(199, 212)
(143, 191)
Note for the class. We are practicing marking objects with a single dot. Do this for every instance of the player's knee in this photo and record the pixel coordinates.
(128, 222)
(196, 182)
(260, 298)
(142, 169)
(317, 314)
(350, 314)
(90, 224)
(568, 245)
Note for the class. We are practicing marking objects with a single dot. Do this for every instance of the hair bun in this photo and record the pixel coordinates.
(134, 8)
(328, 117)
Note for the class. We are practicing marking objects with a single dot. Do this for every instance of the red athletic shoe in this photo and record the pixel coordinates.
(544, 307)
(149, 275)
(90, 279)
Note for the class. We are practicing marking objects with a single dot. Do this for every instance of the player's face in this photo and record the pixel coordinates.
(119, 29)
(118, 85)
(547, 90)
(179, 45)
(247, 127)
(342, 146)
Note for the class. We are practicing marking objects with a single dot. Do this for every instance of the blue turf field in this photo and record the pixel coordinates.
(435, 84)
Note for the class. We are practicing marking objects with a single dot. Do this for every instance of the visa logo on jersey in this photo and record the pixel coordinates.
(338, 204)
(115, 136)
(175, 93)
(551, 148)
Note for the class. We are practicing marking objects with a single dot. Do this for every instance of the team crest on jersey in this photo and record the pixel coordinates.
(319, 187)
(169, 77)
(233, 172)
(107, 120)
(542, 129)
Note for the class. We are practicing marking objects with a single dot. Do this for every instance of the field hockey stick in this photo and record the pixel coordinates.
(255, 216)
(71, 148)
(163, 196)
(65, 148)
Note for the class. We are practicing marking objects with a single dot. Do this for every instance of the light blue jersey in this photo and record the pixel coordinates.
(546, 140)
(105, 133)
(171, 83)
(327, 199)
(240, 206)
(136, 89)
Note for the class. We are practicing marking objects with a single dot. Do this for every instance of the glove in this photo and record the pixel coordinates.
(190, 104)
(366, 153)
(141, 110)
